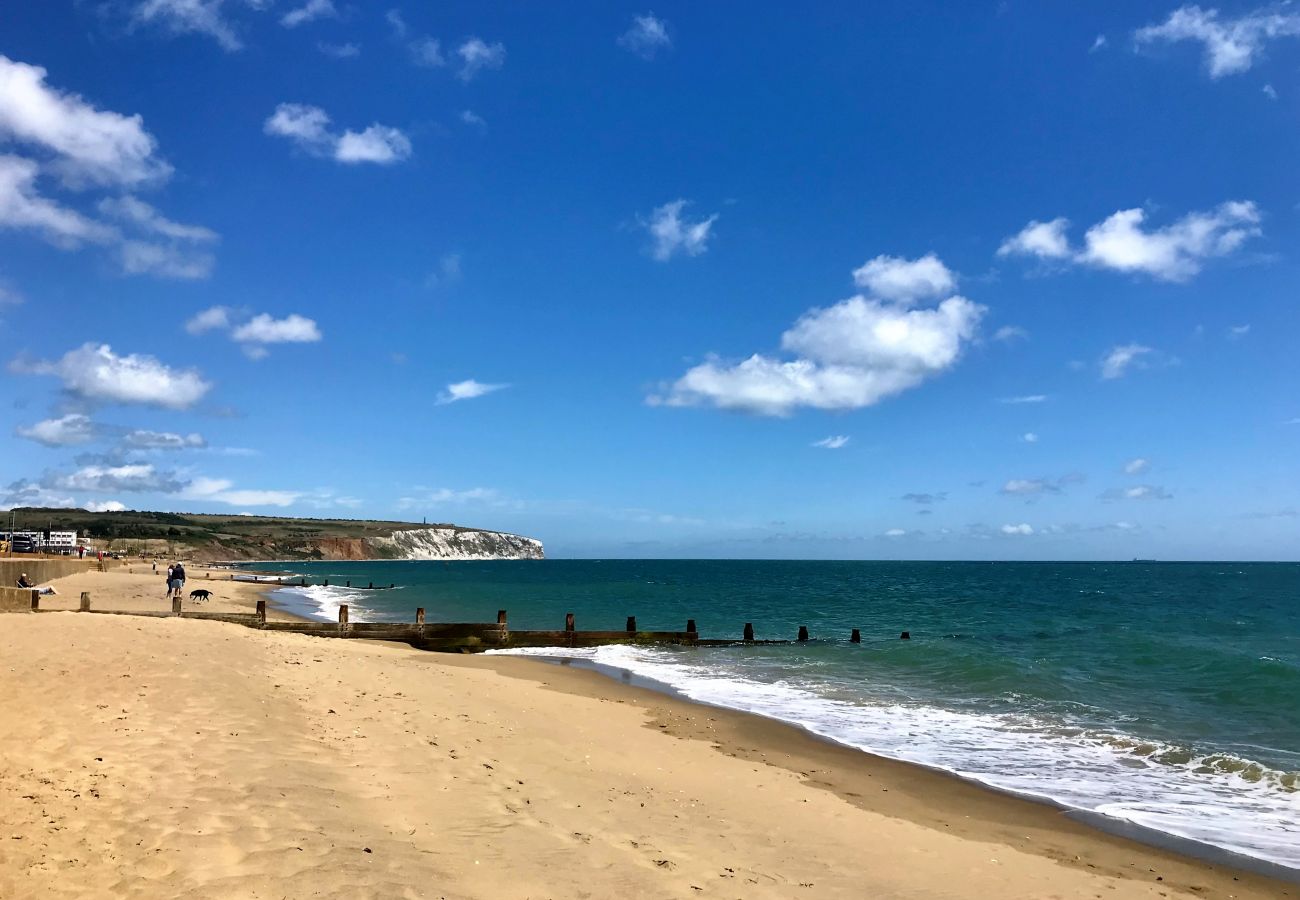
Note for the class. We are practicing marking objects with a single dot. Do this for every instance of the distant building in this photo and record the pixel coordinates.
(59, 541)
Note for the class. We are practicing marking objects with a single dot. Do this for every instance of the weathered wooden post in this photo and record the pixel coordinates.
(372, 586)
(905, 636)
(803, 632)
(749, 631)
(391, 585)
(419, 615)
(207, 575)
(631, 623)
(501, 617)
(304, 583)
(327, 582)
(690, 626)
(349, 584)
(856, 637)
(36, 600)
(568, 621)
(232, 576)
(85, 601)
(261, 612)
(343, 614)
(176, 606)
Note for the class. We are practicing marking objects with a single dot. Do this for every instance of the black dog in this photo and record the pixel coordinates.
(201, 595)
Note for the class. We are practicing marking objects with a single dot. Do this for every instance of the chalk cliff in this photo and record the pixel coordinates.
(455, 543)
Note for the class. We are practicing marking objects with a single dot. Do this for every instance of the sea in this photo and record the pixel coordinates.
(1165, 695)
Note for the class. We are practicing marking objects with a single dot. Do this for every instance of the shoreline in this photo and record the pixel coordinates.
(1122, 829)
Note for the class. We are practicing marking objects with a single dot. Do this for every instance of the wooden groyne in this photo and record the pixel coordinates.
(458, 637)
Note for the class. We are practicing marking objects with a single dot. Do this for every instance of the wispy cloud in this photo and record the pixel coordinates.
(1231, 45)
(1025, 398)
(834, 442)
(477, 55)
(1137, 466)
(467, 390)
(1123, 357)
(309, 12)
(646, 36)
(671, 234)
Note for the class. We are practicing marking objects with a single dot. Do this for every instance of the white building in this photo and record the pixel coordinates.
(60, 541)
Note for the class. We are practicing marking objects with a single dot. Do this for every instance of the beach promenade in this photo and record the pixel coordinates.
(170, 757)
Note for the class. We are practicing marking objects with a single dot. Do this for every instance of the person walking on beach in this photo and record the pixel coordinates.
(168, 580)
(177, 580)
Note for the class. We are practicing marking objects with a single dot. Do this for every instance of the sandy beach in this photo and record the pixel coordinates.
(158, 757)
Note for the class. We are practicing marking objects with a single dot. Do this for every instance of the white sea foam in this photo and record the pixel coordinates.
(321, 602)
(1218, 800)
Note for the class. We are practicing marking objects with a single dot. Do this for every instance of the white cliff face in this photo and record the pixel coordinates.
(451, 543)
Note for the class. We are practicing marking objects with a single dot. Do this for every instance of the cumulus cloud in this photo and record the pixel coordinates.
(1231, 45)
(94, 372)
(131, 478)
(905, 281)
(1137, 466)
(1023, 529)
(466, 390)
(1024, 487)
(469, 117)
(1120, 359)
(1123, 243)
(646, 36)
(477, 55)
(848, 356)
(1029, 437)
(105, 506)
(26, 493)
(834, 442)
(141, 439)
(1046, 240)
(61, 432)
(89, 145)
(671, 234)
(23, 207)
(256, 333)
(308, 128)
(309, 11)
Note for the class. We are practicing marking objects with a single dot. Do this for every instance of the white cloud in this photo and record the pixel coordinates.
(1137, 466)
(850, 355)
(263, 329)
(1029, 437)
(397, 23)
(1175, 252)
(339, 51)
(1021, 529)
(23, 207)
(1008, 333)
(311, 10)
(216, 317)
(163, 440)
(466, 390)
(25, 493)
(62, 432)
(308, 127)
(895, 532)
(131, 477)
(1098, 43)
(1138, 492)
(1030, 486)
(143, 216)
(91, 146)
(905, 281)
(469, 117)
(1045, 240)
(1269, 91)
(925, 499)
(646, 36)
(673, 235)
(106, 506)
(164, 260)
(221, 490)
(95, 372)
(1026, 398)
(191, 17)
(427, 52)
(834, 442)
(477, 55)
(1231, 45)
(1238, 331)
(1121, 358)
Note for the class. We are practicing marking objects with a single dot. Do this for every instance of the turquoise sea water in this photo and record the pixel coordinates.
(1163, 694)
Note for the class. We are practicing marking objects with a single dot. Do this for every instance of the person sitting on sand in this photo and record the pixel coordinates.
(25, 582)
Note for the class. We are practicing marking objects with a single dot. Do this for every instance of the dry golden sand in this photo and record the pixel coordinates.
(179, 758)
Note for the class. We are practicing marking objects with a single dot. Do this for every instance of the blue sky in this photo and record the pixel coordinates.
(999, 281)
